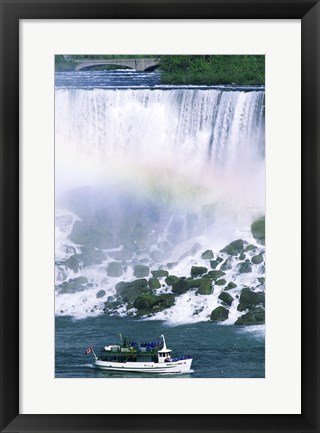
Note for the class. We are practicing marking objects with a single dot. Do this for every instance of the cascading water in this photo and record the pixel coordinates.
(154, 176)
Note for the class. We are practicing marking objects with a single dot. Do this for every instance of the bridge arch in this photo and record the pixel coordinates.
(147, 64)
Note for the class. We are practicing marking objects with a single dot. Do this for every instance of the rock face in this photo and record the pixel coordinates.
(258, 230)
(197, 271)
(207, 255)
(249, 299)
(114, 269)
(141, 271)
(234, 248)
(219, 314)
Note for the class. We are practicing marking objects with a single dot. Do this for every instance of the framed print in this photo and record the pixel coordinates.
(159, 249)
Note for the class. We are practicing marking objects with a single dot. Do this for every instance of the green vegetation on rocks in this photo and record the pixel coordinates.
(215, 274)
(221, 282)
(154, 283)
(253, 317)
(181, 286)
(231, 286)
(249, 299)
(226, 298)
(258, 230)
(205, 287)
(219, 314)
(171, 279)
(198, 271)
(150, 304)
(234, 248)
(130, 290)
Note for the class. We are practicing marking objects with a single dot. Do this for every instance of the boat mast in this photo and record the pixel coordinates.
(164, 342)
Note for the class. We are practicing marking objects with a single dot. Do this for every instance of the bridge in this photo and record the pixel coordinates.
(147, 64)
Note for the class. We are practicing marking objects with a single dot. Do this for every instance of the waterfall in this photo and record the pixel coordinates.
(193, 128)
(170, 173)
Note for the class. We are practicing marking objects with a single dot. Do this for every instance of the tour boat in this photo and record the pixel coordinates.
(135, 357)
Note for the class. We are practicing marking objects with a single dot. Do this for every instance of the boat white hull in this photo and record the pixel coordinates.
(182, 366)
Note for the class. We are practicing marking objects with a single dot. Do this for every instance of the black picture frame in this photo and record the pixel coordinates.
(14, 10)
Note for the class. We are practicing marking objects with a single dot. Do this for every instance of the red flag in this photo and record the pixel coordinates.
(89, 350)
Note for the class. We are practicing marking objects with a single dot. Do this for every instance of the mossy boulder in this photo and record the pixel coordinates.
(250, 247)
(234, 248)
(242, 256)
(219, 314)
(159, 273)
(100, 294)
(114, 269)
(154, 283)
(256, 260)
(171, 279)
(141, 271)
(221, 282)
(253, 317)
(215, 274)
(249, 299)
(150, 304)
(207, 255)
(180, 287)
(226, 298)
(198, 271)
(231, 285)
(205, 287)
(244, 267)
(130, 290)
(73, 285)
(258, 230)
(111, 306)
(214, 264)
